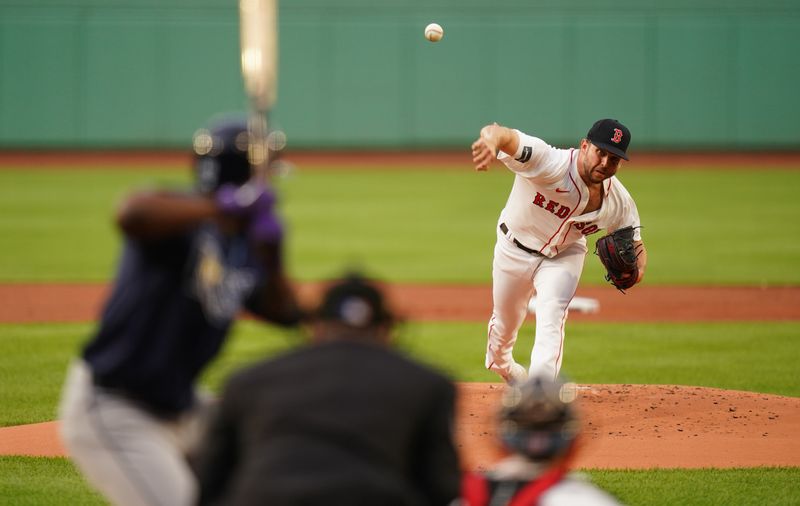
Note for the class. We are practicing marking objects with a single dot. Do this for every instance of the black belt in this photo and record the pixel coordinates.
(521, 246)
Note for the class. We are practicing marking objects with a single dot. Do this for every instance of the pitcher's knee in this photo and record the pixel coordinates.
(553, 307)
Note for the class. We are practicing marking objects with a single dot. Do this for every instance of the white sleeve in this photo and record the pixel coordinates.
(535, 159)
(635, 222)
(629, 214)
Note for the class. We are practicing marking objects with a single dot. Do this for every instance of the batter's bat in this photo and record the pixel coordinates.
(258, 29)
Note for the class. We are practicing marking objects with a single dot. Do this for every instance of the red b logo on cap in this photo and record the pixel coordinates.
(617, 136)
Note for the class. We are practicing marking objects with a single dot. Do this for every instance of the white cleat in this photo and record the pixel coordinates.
(518, 375)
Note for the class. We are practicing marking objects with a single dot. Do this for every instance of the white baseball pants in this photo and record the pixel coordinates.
(516, 274)
(130, 456)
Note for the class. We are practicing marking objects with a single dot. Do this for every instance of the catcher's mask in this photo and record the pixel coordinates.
(538, 418)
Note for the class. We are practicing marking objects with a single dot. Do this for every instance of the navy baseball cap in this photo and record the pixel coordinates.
(356, 302)
(611, 135)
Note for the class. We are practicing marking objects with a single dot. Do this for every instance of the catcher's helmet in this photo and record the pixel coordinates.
(538, 418)
(220, 154)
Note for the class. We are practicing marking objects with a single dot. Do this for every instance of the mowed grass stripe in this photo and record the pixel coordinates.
(418, 225)
(751, 356)
(36, 481)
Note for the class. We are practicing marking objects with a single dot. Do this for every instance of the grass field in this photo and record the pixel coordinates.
(30, 481)
(721, 355)
(701, 227)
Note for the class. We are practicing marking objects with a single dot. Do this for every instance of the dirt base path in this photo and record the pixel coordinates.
(625, 426)
(386, 159)
(26, 303)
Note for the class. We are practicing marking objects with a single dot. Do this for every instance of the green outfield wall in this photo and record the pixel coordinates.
(354, 73)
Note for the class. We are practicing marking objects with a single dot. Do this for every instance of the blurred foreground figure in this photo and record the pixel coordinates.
(191, 262)
(343, 421)
(539, 426)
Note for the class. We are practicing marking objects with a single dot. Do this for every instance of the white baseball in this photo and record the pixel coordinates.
(434, 32)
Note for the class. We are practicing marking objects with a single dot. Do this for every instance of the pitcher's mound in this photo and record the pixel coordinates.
(648, 426)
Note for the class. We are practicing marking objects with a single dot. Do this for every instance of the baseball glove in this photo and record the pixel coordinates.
(617, 253)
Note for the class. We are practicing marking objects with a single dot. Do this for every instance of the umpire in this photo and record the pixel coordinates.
(191, 262)
(343, 421)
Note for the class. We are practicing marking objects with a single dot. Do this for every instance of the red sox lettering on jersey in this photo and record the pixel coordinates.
(551, 205)
(563, 211)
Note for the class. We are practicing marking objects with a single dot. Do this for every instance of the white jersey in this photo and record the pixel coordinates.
(576, 491)
(573, 489)
(544, 210)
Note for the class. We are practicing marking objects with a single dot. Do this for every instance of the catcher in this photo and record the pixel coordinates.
(539, 426)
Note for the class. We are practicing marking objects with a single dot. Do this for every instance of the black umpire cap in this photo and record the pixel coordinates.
(355, 302)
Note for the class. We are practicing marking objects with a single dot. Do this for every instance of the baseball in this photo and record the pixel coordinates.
(434, 32)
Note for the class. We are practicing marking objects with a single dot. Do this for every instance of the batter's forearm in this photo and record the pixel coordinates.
(153, 215)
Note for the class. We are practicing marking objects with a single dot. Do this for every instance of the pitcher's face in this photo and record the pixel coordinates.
(597, 164)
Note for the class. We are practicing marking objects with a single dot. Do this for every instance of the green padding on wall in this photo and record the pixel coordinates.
(532, 80)
(122, 81)
(693, 72)
(358, 73)
(39, 85)
(768, 69)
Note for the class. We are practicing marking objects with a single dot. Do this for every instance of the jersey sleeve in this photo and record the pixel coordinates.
(628, 215)
(535, 159)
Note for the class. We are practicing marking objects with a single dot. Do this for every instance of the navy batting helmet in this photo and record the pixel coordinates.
(538, 418)
(220, 154)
